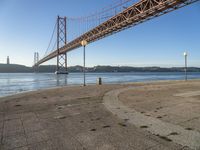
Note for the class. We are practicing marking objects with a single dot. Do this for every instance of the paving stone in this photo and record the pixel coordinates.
(1, 134)
(129, 135)
(22, 148)
(57, 132)
(28, 116)
(153, 125)
(30, 120)
(100, 140)
(12, 127)
(2, 107)
(67, 143)
(12, 116)
(50, 124)
(1, 116)
(174, 119)
(48, 115)
(12, 132)
(45, 145)
(14, 142)
(32, 127)
(193, 123)
(161, 147)
(36, 137)
(86, 123)
(1, 125)
(14, 123)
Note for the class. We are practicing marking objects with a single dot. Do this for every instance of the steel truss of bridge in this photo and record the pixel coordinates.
(140, 12)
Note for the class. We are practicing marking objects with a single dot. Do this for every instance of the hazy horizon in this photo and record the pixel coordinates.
(108, 65)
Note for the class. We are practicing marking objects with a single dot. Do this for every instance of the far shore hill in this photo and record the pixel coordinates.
(15, 68)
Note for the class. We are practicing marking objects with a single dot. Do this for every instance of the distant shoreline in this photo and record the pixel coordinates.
(15, 68)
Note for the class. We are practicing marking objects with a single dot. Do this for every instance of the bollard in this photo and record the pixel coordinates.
(99, 81)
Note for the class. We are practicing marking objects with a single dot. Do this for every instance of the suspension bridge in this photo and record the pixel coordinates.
(110, 20)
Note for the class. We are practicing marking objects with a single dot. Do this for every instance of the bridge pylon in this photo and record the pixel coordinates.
(61, 41)
(36, 59)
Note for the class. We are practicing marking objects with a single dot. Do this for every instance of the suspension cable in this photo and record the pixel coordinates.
(51, 39)
(104, 10)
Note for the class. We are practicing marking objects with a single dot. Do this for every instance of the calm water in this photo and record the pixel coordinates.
(12, 83)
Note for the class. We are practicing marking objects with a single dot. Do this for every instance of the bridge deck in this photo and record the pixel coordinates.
(138, 13)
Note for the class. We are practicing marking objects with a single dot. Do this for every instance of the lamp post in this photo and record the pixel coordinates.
(185, 55)
(84, 43)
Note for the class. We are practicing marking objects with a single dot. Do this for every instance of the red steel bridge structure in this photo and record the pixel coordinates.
(127, 17)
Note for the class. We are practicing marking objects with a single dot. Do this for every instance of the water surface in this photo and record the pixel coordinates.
(12, 83)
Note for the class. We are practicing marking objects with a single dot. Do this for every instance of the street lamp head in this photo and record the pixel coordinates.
(185, 54)
(84, 43)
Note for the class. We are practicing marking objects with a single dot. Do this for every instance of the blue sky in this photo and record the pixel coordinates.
(26, 27)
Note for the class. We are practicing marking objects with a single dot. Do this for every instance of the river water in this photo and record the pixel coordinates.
(12, 83)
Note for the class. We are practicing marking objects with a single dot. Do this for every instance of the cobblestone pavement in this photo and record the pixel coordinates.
(127, 103)
(71, 118)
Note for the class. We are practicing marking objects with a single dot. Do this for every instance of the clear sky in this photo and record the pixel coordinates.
(26, 27)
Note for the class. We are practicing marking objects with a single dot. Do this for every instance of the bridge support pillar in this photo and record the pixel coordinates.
(36, 59)
(61, 64)
(61, 41)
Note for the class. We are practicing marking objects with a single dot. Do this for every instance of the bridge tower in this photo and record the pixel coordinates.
(61, 41)
(36, 59)
(8, 60)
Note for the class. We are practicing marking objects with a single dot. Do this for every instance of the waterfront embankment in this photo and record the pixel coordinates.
(152, 115)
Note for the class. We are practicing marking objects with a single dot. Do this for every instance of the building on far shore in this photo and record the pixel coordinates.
(8, 60)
